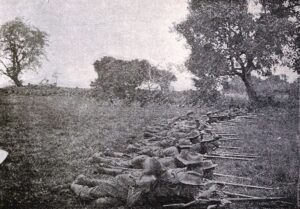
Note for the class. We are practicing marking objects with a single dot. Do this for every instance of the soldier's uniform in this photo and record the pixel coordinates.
(105, 193)
(154, 186)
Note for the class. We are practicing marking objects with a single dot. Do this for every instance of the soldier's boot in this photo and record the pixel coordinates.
(225, 204)
(82, 191)
(107, 202)
(98, 158)
(93, 159)
(212, 207)
(81, 180)
(85, 181)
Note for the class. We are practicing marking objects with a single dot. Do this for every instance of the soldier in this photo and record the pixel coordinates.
(135, 162)
(124, 189)
(195, 162)
(154, 150)
(154, 185)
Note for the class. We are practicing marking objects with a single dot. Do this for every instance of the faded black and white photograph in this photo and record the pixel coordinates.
(149, 104)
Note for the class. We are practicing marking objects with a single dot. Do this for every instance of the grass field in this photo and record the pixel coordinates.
(50, 138)
(273, 137)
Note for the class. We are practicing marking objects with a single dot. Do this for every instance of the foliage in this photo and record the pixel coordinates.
(159, 80)
(21, 47)
(226, 40)
(207, 90)
(121, 78)
(294, 94)
(277, 83)
(272, 91)
(281, 8)
(233, 84)
(145, 97)
(287, 9)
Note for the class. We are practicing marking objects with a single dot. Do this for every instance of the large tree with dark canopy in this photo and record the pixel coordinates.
(21, 47)
(121, 77)
(227, 40)
(281, 8)
(286, 9)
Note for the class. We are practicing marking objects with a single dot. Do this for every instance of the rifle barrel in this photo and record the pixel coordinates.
(243, 185)
(228, 147)
(231, 176)
(229, 139)
(238, 195)
(234, 155)
(226, 134)
(228, 157)
(256, 199)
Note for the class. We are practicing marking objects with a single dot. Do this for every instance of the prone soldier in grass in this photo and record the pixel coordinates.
(154, 185)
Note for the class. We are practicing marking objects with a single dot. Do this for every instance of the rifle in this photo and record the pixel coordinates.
(188, 146)
(201, 202)
(206, 202)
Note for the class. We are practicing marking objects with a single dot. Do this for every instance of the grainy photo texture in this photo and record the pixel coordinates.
(146, 104)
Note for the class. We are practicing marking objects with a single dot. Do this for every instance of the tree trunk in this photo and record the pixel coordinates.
(253, 98)
(17, 81)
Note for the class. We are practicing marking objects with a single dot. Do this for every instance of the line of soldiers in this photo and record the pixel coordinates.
(217, 116)
(166, 167)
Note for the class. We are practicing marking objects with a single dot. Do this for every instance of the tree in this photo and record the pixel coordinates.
(160, 78)
(21, 47)
(286, 9)
(281, 8)
(121, 78)
(227, 40)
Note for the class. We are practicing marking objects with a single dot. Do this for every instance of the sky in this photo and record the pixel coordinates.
(82, 31)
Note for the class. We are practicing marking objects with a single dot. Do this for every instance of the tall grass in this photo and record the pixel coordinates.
(53, 136)
(50, 138)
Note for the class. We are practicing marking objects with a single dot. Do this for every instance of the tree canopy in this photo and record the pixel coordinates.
(21, 47)
(121, 77)
(287, 9)
(281, 8)
(227, 40)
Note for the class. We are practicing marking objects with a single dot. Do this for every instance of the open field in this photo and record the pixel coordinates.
(273, 137)
(50, 138)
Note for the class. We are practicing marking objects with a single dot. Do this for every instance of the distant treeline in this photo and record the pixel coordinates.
(274, 91)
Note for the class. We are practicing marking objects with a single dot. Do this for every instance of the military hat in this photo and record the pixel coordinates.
(193, 135)
(167, 162)
(138, 161)
(184, 142)
(207, 165)
(152, 167)
(169, 152)
(209, 113)
(186, 158)
(190, 113)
